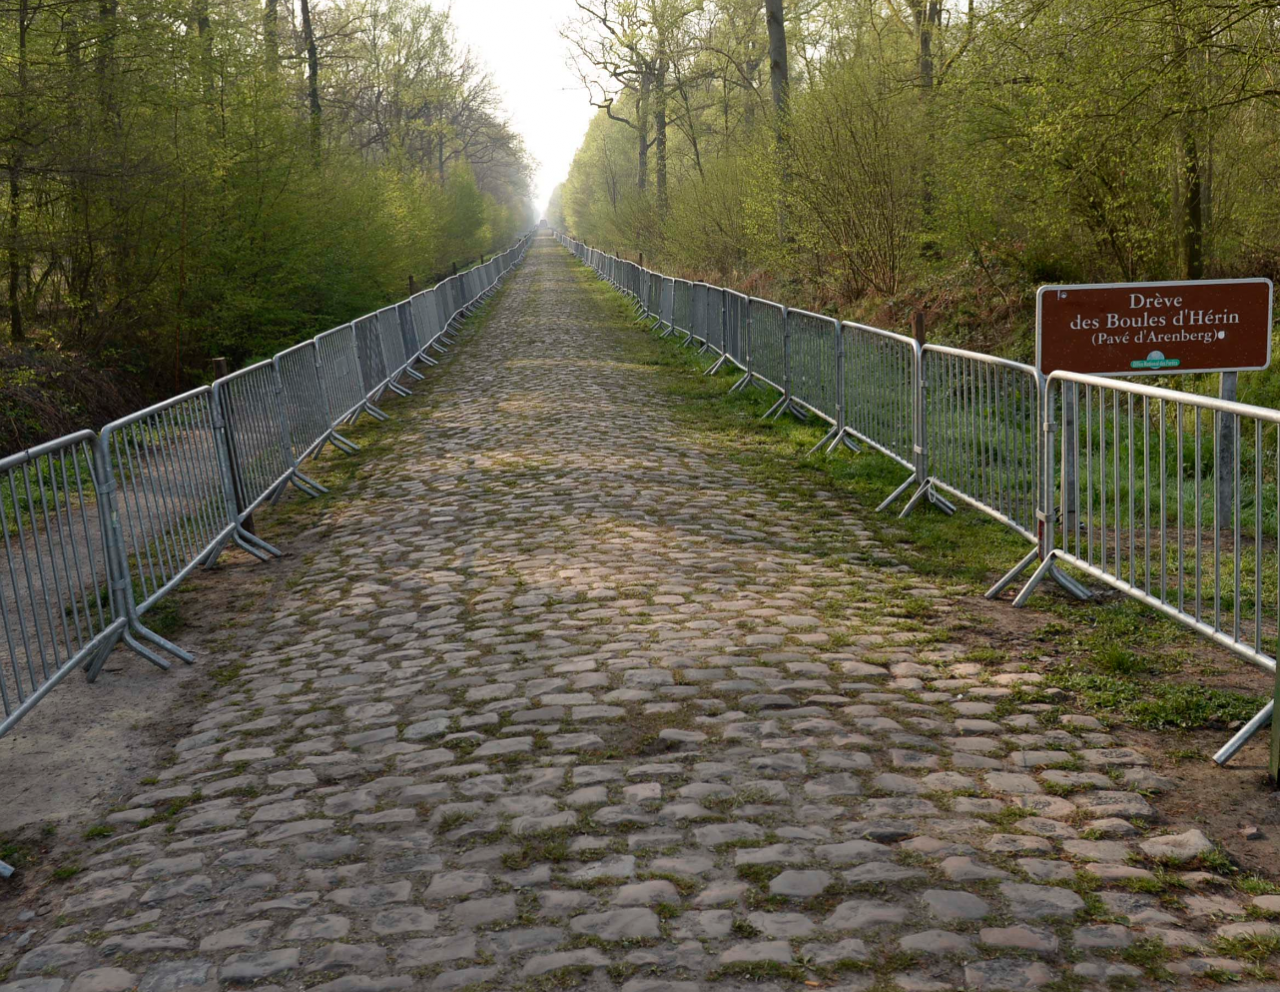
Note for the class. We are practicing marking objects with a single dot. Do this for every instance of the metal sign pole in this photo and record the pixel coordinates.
(1225, 471)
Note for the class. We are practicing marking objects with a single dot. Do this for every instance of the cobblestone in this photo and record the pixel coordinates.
(559, 689)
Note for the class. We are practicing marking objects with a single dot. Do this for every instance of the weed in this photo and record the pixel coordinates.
(757, 971)
(1252, 947)
(1149, 953)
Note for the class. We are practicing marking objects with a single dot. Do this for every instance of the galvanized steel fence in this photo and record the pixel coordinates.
(1170, 497)
(99, 527)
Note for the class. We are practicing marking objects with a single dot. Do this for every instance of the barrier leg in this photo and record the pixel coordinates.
(416, 376)
(146, 632)
(146, 652)
(796, 410)
(828, 438)
(307, 485)
(246, 546)
(243, 535)
(742, 383)
(137, 627)
(1070, 585)
(716, 367)
(777, 408)
(846, 439)
(398, 389)
(93, 663)
(5, 870)
(1260, 720)
(339, 442)
(893, 496)
(927, 491)
(342, 444)
(1037, 577)
(1011, 576)
(1273, 764)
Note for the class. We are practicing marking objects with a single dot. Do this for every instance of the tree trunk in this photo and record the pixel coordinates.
(780, 83)
(17, 332)
(1192, 206)
(779, 78)
(660, 136)
(642, 126)
(271, 34)
(313, 77)
(105, 56)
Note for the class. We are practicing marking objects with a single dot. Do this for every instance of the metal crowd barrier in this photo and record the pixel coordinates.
(880, 385)
(170, 504)
(306, 409)
(813, 367)
(1133, 500)
(698, 328)
(99, 527)
(373, 363)
(1101, 474)
(768, 322)
(339, 359)
(682, 309)
(54, 589)
(262, 460)
(982, 421)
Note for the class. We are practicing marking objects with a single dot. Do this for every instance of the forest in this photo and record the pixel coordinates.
(196, 179)
(876, 157)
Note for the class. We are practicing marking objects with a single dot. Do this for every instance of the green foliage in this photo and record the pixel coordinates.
(1157, 705)
(171, 198)
(964, 159)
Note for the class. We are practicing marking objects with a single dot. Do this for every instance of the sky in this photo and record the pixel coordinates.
(519, 41)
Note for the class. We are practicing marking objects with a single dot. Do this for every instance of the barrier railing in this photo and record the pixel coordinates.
(306, 409)
(54, 588)
(880, 386)
(735, 328)
(425, 325)
(262, 461)
(1132, 500)
(768, 323)
(170, 505)
(698, 327)
(340, 374)
(373, 363)
(98, 528)
(982, 416)
(813, 355)
(682, 308)
(1113, 478)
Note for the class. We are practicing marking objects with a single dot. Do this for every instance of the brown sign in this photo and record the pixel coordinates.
(1154, 328)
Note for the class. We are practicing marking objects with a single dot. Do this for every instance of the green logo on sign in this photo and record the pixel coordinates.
(1155, 360)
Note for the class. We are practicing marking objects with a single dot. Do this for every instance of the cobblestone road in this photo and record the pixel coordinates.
(561, 701)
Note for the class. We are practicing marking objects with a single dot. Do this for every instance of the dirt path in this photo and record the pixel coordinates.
(558, 700)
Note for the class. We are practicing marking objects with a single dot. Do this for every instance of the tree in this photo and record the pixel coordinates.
(188, 179)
